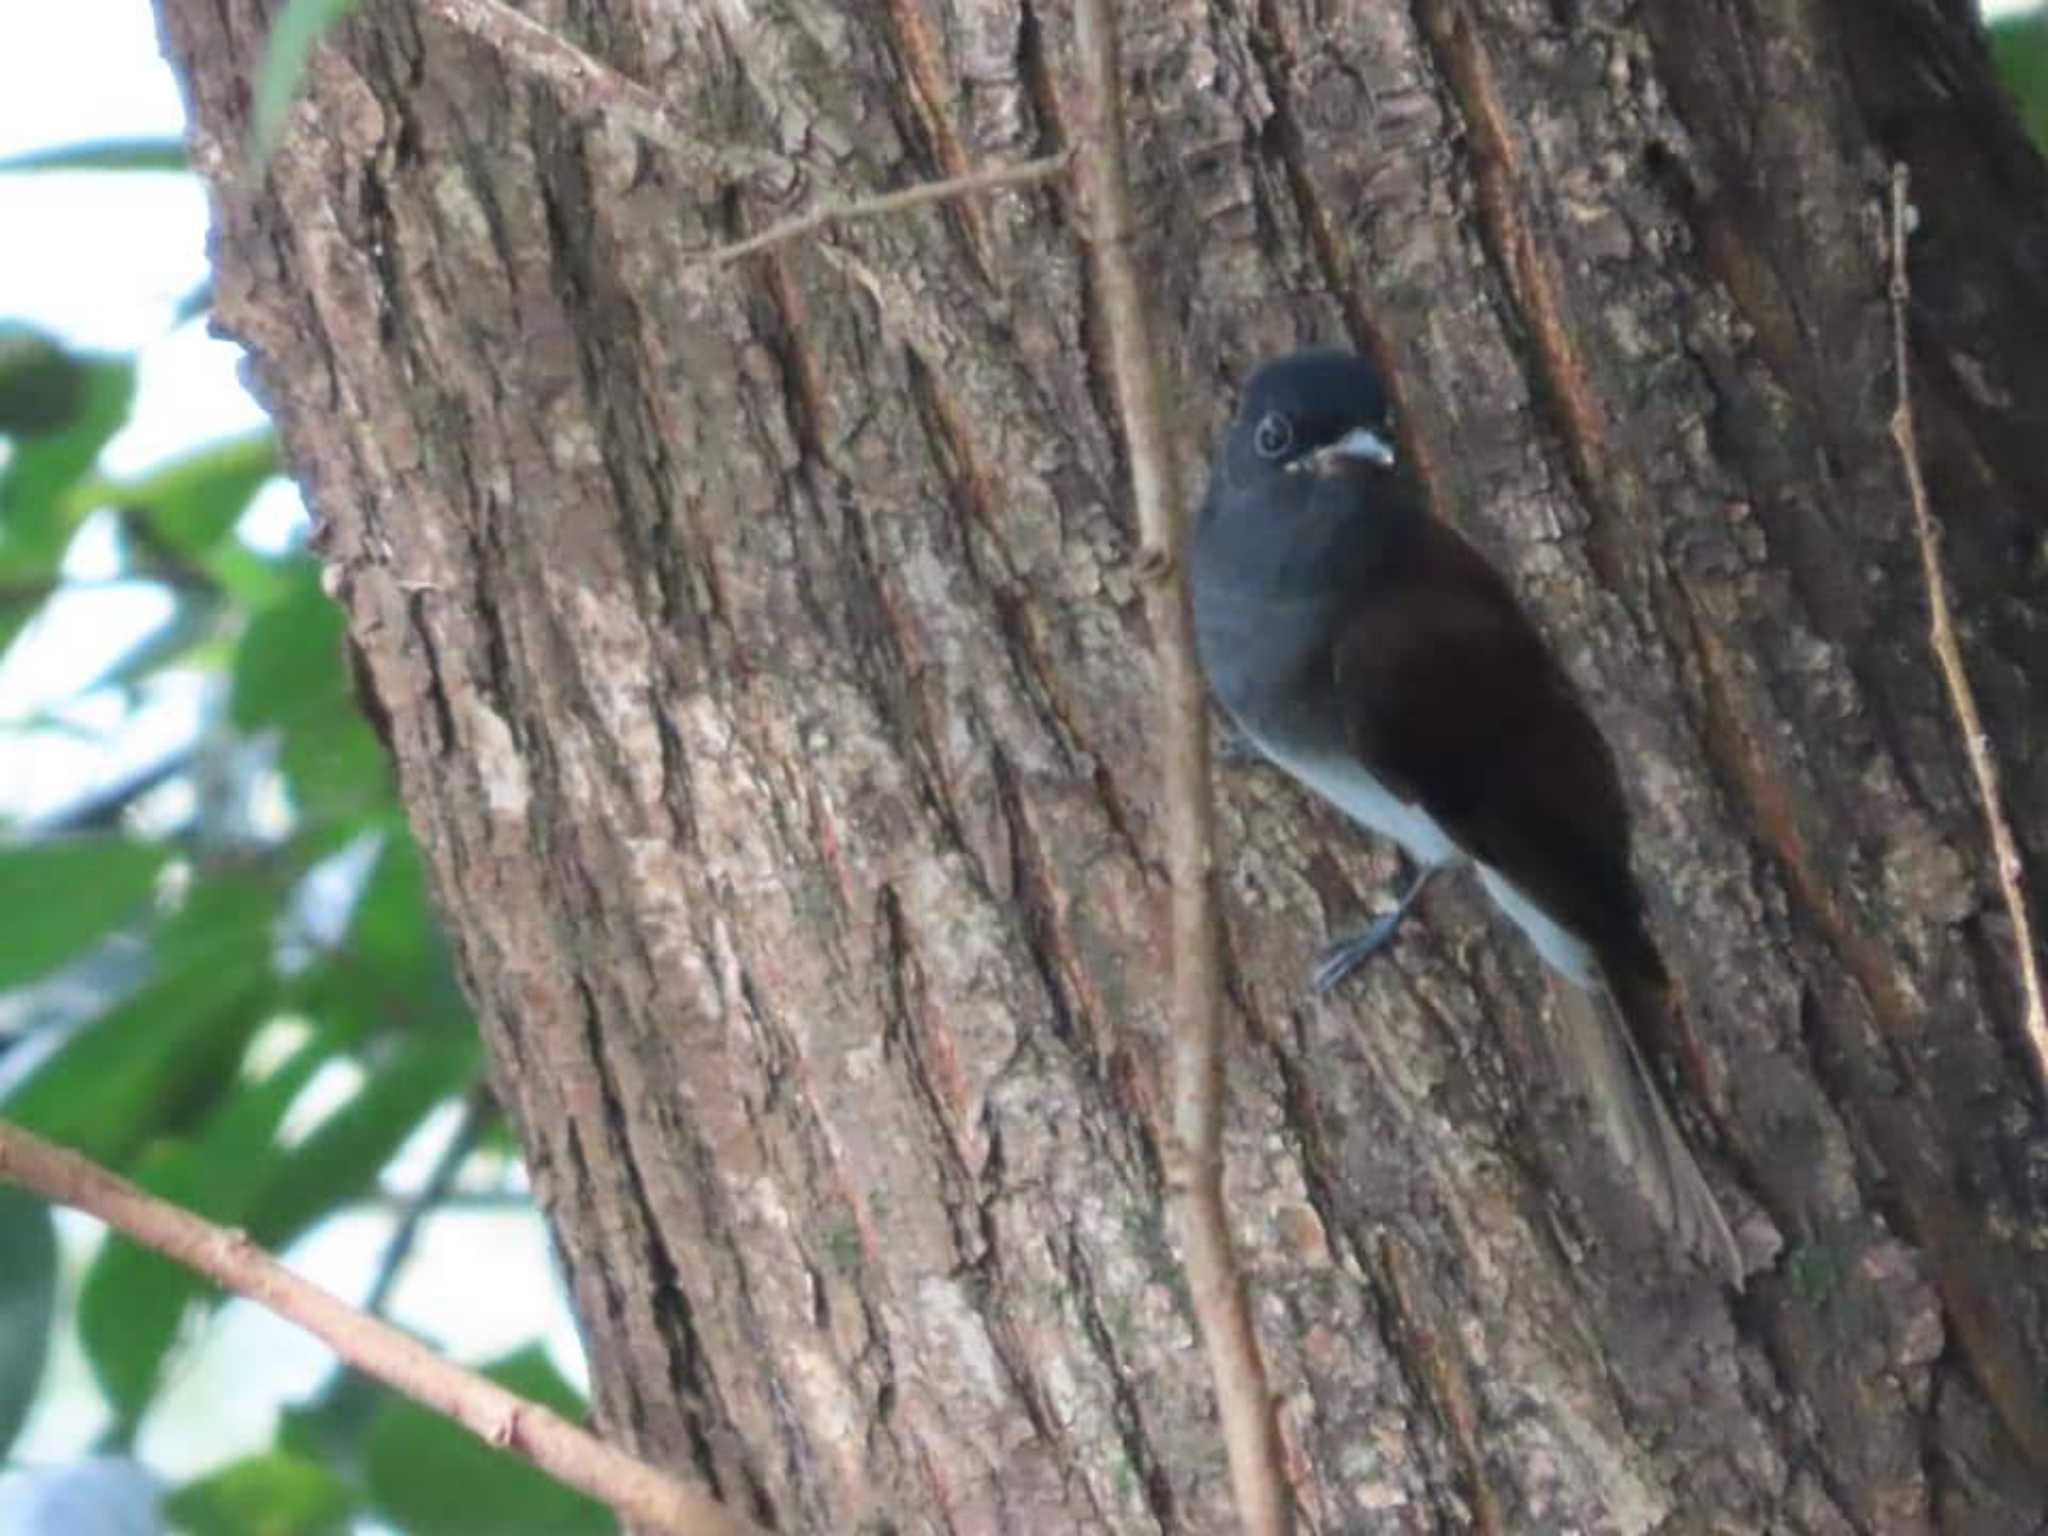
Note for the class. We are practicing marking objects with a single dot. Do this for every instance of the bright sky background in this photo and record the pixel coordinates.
(103, 260)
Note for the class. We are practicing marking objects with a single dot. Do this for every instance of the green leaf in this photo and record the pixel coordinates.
(36, 513)
(104, 155)
(2019, 47)
(289, 676)
(63, 895)
(431, 1477)
(340, 1161)
(134, 1298)
(334, 763)
(148, 1063)
(251, 580)
(393, 928)
(194, 622)
(300, 25)
(193, 501)
(331, 1427)
(42, 386)
(288, 666)
(272, 1494)
(28, 1304)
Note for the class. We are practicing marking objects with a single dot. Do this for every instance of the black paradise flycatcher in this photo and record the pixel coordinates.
(1368, 650)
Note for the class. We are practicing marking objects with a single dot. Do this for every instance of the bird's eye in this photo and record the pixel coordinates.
(1273, 436)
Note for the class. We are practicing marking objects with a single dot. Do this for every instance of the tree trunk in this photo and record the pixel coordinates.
(765, 674)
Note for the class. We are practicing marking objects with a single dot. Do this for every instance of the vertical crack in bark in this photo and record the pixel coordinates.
(970, 1193)
(1062, 971)
(909, 1029)
(702, 1421)
(1035, 71)
(1435, 1366)
(429, 654)
(677, 798)
(1042, 87)
(582, 1195)
(803, 384)
(977, 496)
(888, 661)
(1146, 1466)
(1966, 1259)
(1532, 280)
(920, 57)
(802, 1471)
(1272, 51)
(1395, 1331)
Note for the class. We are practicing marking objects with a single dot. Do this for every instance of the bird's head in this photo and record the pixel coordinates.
(1315, 412)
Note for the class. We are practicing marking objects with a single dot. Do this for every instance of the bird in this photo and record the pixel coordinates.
(1361, 645)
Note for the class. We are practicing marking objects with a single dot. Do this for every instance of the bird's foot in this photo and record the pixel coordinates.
(1340, 957)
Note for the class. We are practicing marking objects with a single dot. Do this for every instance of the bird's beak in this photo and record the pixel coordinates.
(1361, 445)
(1364, 444)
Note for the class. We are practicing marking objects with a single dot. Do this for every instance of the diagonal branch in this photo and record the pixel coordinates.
(641, 1494)
(891, 202)
(478, 1107)
(1194, 1153)
(1948, 651)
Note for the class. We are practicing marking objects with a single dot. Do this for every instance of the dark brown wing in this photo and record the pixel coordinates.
(1453, 700)
(1455, 703)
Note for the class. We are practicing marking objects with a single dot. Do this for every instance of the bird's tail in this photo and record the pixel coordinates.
(1639, 1125)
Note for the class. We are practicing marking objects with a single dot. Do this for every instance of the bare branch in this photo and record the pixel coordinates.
(1195, 1149)
(891, 202)
(641, 1494)
(583, 84)
(478, 1107)
(2005, 848)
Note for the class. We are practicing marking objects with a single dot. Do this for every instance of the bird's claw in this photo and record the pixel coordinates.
(1341, 957)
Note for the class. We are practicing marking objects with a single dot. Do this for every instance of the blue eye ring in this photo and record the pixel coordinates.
(1273, 436)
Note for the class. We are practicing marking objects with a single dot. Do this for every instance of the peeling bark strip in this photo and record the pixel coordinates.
(2005, 853)
(762, 645)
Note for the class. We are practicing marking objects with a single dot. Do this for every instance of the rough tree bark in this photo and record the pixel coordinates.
(765, 675)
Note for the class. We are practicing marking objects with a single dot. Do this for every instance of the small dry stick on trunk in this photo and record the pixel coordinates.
(1195, 1150)
(983, 180)
(1948, 651)
(641, 1494)
(582, 84)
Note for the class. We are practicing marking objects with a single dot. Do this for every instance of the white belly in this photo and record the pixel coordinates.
(1346, 785)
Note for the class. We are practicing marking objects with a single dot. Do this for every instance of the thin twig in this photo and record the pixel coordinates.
(1195, 1149)
(584, 85)
(477, 1108)
(890, 202)
(2005, 848)
(640, 1493)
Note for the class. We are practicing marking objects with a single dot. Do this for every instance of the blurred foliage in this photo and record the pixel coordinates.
(2019, 46)
(300, 25)
(430, 1478)
(220, 977)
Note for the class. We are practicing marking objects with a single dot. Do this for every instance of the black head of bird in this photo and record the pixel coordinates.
(1311, 436)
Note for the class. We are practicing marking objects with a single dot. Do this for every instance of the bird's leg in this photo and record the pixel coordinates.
(1342, 956)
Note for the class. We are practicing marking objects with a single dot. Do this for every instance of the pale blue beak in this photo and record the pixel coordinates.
(1366, 445)
(1361, 445)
